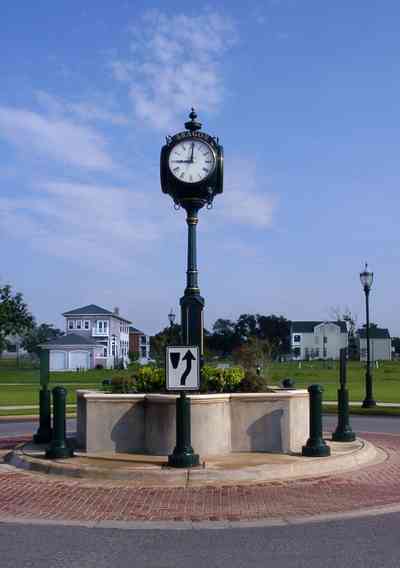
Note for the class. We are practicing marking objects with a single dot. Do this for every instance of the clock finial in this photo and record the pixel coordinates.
(193, 124)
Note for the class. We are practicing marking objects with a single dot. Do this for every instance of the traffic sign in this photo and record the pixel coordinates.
(183, 368)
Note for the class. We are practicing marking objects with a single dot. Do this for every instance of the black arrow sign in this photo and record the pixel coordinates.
(189, 357)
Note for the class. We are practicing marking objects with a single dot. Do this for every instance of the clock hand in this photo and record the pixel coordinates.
(191, 156)
(181, 161)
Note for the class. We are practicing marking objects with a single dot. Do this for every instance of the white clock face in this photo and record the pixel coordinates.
(191, 160)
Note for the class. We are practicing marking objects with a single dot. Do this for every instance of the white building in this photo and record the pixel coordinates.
(94, 336)
(318, 339)
(379, 341)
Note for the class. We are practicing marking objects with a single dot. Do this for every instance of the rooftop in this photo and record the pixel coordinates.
(93, 310)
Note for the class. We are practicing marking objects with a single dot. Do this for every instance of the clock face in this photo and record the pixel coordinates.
(191, 160)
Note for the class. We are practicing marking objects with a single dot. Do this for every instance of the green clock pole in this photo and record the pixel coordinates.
(192, 187)
(192, 303)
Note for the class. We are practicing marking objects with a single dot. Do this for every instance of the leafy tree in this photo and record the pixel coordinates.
(252, 353)
(42, 333)
(15, 317)
(224, 338)
(276, 330)
(246, 326)
(170, 335)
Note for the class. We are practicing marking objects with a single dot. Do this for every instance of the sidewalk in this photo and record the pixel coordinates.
(25, 495)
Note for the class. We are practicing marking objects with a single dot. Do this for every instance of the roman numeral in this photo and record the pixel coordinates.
(205, 170)
(176, 170)
(191, 178)
(182, 175)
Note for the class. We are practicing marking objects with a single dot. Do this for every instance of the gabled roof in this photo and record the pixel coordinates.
(374, 333)
(308, 326)
(71, 339)
(93, 310)
(135, 330)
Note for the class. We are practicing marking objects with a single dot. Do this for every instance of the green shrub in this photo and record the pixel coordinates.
(214, 379)
(149, 379)
(121, 384)
(252, 382)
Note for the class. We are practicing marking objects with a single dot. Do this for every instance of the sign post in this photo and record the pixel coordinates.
(183, 373)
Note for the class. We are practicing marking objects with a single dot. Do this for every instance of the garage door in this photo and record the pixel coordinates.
(78, 359)
(57, 361)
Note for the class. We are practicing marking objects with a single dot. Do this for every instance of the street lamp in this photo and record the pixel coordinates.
(171, 317)
(366, 279)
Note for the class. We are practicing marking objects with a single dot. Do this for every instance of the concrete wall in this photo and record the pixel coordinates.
(221, 423)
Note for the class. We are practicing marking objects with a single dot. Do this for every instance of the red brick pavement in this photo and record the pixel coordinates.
(29, 495)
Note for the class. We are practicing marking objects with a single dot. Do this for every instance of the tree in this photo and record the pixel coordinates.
(15, 317)
(223, 339)
(276, 330)
(351, 323)
(252, 353)
(42, 333)
(170, 335)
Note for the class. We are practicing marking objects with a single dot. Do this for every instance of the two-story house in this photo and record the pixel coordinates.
(139, 343)
(94, 336)
(317, 339)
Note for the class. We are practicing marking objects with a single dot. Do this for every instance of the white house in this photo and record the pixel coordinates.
(94, 336)
(379, 341)
(317, 339)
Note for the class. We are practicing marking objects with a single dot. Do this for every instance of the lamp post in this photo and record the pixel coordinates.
(171, 317)
(366, 279)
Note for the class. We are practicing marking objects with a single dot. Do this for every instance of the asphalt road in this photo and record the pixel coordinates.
(371, 542)
(367, 542)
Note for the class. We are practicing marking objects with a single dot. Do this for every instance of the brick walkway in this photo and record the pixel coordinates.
(27, 495)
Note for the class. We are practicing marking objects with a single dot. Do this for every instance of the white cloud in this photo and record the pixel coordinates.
(247, 199)
(58, 138)
(84, 223)
(176, 64)
(86, 110)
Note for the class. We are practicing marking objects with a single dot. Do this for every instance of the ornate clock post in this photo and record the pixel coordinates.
(191, 170)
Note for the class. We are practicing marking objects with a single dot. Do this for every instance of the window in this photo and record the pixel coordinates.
(317, 353)
(296, 338)
(104, 351)
(325, 339)
(102, 326)
(78, 324)
(86, 324)
(143, 340)
(296, 352)
(143, 350)
(70, 324)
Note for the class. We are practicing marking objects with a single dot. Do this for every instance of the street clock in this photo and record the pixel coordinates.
(191, 166)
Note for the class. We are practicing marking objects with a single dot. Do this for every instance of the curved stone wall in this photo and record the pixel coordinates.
(221, 423)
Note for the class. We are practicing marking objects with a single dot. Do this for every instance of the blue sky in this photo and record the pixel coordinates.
(304, 95)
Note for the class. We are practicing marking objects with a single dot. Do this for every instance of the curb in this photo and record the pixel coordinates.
(363, 453)
(209, 525)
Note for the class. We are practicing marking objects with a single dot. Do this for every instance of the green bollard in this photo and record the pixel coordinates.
(43, 434)
(343, 432)
(59, 447)
(316, 446)
(183, 454)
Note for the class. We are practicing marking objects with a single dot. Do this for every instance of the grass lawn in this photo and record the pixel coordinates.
(386, 379)
(21, 386)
